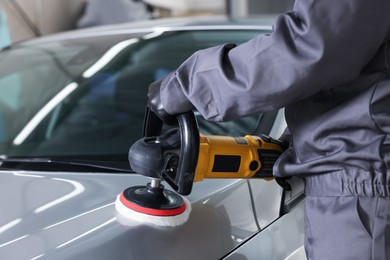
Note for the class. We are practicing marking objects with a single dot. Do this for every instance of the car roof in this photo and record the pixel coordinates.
(222, 22)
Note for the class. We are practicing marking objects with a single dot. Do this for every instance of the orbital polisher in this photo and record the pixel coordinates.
(182, 156)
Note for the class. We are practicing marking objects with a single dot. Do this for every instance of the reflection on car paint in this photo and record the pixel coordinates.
(78, 189)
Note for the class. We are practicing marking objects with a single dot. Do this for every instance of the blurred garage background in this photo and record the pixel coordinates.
(24, 19)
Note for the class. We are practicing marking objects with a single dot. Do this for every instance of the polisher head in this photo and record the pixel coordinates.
(152, 205)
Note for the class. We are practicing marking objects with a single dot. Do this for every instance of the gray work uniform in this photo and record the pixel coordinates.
(327, 63)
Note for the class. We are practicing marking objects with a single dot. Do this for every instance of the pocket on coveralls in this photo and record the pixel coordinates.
(336, 228)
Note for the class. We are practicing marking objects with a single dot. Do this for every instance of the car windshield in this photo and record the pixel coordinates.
(86, 97)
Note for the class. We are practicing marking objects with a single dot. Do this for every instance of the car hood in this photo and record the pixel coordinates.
(62, 216)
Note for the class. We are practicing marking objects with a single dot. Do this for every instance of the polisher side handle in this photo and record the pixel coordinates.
(152, 124)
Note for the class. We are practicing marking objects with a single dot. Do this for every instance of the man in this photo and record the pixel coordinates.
(327, 63)
(103, 12)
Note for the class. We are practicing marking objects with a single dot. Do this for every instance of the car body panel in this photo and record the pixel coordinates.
(264, 22)
(281, 240)
(64, 216)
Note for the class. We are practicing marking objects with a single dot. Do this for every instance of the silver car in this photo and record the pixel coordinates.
(72, 104)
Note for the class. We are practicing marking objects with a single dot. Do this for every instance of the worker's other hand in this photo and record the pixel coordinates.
(283, 182)
(154, 103)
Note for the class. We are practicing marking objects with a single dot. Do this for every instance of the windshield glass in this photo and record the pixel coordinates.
(86, 97)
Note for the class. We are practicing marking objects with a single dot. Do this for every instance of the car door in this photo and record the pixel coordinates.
(281, 221)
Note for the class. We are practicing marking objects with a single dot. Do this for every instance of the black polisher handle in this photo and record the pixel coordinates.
(189, 148)
(189, 152)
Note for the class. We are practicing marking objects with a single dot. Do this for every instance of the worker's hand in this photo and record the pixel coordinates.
(286, 140)
(154, 103)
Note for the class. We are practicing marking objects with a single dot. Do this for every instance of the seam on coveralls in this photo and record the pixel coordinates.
(376, 85)
(388, 58)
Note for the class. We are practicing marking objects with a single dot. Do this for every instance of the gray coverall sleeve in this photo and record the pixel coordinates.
(321, 44)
